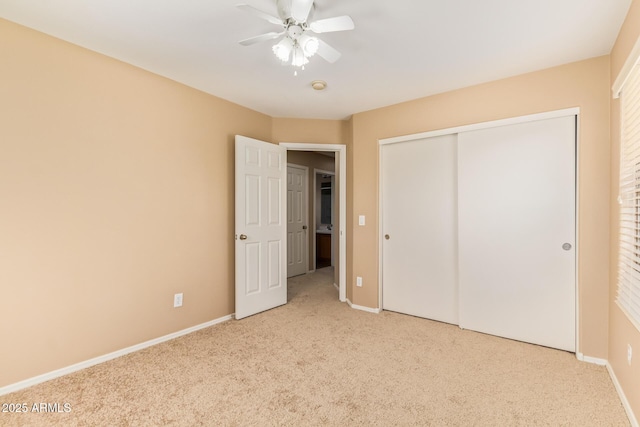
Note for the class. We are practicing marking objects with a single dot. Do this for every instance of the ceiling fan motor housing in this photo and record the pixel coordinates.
(295, 31)
(284, 12)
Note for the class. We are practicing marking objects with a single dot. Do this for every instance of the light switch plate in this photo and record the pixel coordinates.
(361, 220)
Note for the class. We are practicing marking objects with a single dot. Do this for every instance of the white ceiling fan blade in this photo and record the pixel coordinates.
(260, 38)
(260, 14)
(300, 9)
(329, 25)
(327, 53)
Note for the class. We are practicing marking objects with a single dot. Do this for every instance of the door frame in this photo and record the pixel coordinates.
(306, 212)
(575, 111)
(341, 174)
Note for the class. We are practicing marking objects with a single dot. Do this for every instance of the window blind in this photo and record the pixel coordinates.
(628, 296)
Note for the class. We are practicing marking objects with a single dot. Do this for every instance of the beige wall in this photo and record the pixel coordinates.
(314, 131)
(584, 84)
(621, 330)
(116, 191)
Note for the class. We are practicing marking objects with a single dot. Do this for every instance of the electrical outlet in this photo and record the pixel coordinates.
(359, 281)
(629, 353)
(177, 300)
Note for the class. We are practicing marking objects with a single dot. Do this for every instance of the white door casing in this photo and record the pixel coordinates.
(260, 226)
(516, 211)
(297, 220)
(419, 241)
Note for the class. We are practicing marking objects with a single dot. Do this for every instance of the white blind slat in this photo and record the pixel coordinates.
(628, 294)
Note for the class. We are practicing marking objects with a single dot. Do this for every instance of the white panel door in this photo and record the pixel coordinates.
(260, 240)
(419, 268)
(516, 207)
(297, 258)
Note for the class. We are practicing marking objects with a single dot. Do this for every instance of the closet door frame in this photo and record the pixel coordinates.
(485, 125)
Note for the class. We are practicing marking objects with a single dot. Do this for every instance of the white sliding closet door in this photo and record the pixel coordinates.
(516, 218)
(419, 210)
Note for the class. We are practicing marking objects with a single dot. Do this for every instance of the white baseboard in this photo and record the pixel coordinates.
(623, 398)
(100, 359)
(625, 402)
(363, 308)
(588, 359)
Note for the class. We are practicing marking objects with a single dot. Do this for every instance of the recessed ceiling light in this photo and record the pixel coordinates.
(318, 84)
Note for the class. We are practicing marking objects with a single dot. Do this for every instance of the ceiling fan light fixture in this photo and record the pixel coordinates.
(309, 45)
(299, 59)
(295, 17)
(283, 49)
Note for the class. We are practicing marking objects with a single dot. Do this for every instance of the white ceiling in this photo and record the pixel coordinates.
(400, 50)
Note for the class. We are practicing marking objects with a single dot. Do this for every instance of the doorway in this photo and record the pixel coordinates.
(261, 222)
(340, 204)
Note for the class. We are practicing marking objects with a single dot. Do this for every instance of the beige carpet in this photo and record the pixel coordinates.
(316, 361)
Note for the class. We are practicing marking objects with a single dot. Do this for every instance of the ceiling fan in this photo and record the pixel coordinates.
(298, 43)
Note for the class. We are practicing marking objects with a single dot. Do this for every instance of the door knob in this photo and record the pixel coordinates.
(566, 246)
(386, 236)
(243, 237)
(304, 227)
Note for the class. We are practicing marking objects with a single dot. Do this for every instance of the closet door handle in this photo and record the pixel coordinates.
(387, 237)
(243, 237)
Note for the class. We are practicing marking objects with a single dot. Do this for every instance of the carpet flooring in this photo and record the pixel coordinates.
(315, 361)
